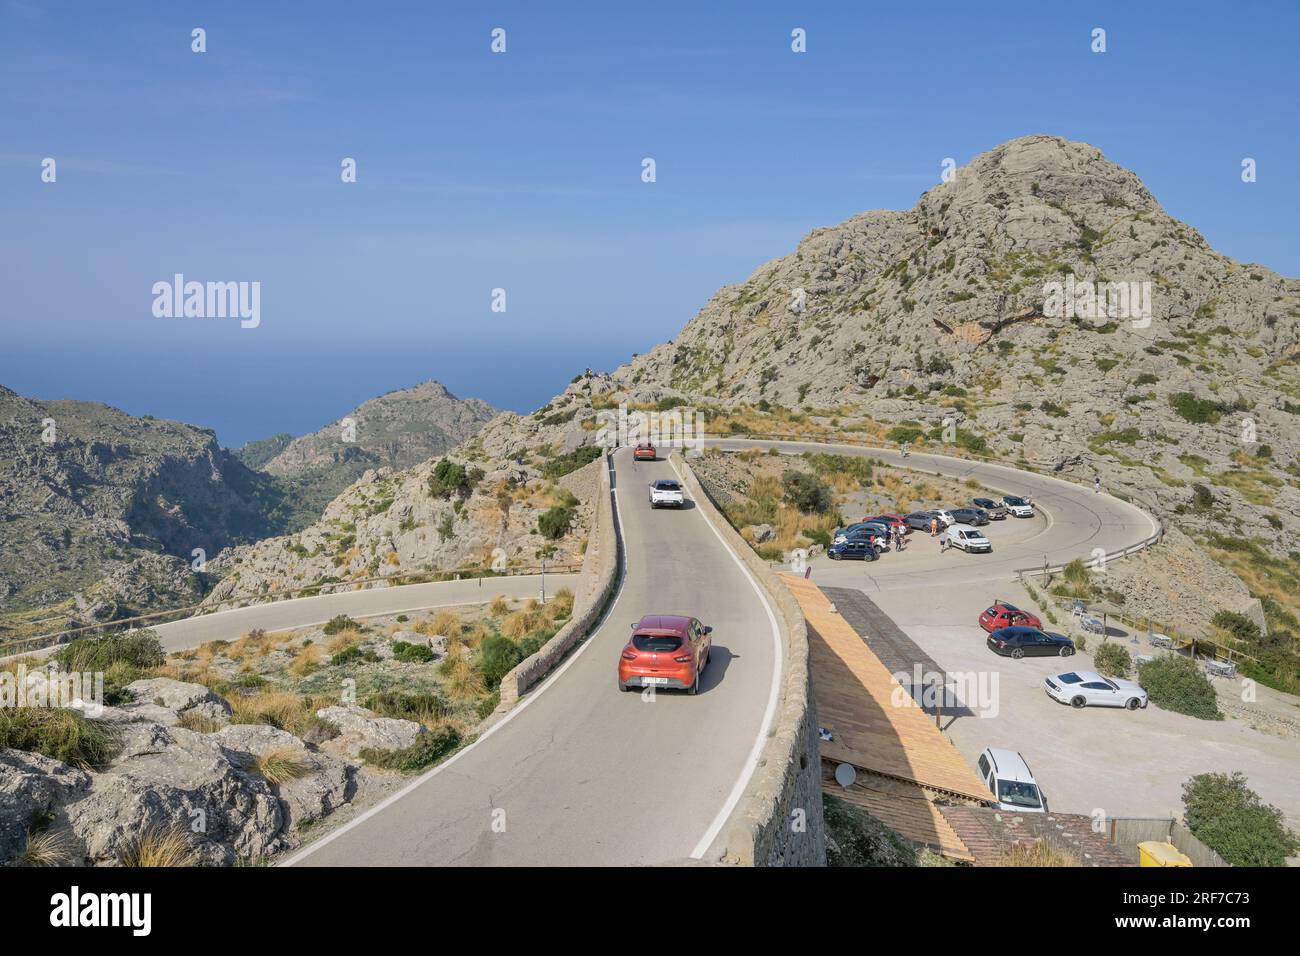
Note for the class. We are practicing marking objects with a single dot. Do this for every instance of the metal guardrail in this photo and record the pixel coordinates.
(324, 586)
(1101, 560)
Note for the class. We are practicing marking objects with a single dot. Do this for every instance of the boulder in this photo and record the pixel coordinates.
(170, 778)
(179, 696)
(31, 784)
(762, 533)
(328, 785)
(361, 730)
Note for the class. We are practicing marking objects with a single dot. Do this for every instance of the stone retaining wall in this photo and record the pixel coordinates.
(596, 585)
(778, 821)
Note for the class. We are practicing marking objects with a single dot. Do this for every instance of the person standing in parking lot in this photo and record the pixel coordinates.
(934, 526)
(943, 543)
(1096, 484)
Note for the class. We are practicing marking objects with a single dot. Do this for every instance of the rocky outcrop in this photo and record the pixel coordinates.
(398, 429)
(181, 698)
(325, 784)
(31, 788)
(88, 492)
(172, 779)
(362, 730)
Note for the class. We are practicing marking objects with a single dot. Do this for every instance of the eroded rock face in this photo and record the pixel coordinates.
(178, 696)
(31, 785)
(169, 778)
(362, 730)
(326, 785)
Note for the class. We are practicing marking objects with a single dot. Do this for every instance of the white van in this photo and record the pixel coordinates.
(968, 538)
(1009, 780)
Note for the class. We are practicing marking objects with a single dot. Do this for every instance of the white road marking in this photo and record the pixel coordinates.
(756, 752)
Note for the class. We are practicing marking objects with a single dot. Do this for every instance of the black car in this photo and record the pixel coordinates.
(858, 548)
(919, 520)
(971, 516)
(1020, 641)
(997, 511)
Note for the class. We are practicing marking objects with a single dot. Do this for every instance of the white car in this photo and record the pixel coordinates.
(1010, 781)
(666, 493)
(1020, 507)
(1084, 688)
(967, 538)
(946, 520)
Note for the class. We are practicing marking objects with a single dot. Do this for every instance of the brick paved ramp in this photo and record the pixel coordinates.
(876, 725)
(990, 834)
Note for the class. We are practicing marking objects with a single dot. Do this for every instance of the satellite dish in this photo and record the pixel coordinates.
(845, 775)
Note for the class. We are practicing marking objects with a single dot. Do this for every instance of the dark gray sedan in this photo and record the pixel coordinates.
(971, 516)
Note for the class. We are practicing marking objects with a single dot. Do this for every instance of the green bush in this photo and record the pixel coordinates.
(555, 522)
(1238, 625)
(1198, 411)
(58, 733)
(488, 704)
(497, 657)
(450, 478)
(1175, 683)
(341, 622)
(1112, 660)
(903, 433)
(1228, 817)
(406, 705)
(139, 649)
(427, 750)
(561, 465)
(352, 655)
(806, 492)
(409, 653)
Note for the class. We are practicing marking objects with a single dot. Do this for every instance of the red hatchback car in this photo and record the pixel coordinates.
(665, 650)
(645, 452)
(1002, 615)
(894, 522)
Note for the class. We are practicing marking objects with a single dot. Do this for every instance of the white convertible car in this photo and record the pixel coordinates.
(1084, 688)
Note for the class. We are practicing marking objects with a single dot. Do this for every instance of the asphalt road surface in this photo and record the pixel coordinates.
(580, 773)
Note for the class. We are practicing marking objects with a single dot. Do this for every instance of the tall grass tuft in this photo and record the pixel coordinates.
(158, 847)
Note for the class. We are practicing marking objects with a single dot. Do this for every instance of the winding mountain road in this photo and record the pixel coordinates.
(581, 774)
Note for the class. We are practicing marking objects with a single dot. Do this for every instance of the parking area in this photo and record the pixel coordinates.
(1115, 761)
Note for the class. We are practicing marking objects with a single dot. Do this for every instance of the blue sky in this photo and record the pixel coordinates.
(522, 171)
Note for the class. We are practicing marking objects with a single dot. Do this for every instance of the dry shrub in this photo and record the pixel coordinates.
(446, 622)
(1038, 853)
(276, 708)
(46, 848)
(283, 764)
(344, 639)
(158, 847)
(499, 607)
(306, 661)
(199, 723)
(460, 677)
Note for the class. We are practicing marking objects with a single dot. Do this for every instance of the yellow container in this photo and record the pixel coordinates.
(1153, 853)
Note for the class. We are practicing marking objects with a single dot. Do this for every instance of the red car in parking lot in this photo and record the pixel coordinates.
(1000, 615)
(645, 452)
(894, 521)
(665, 650)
